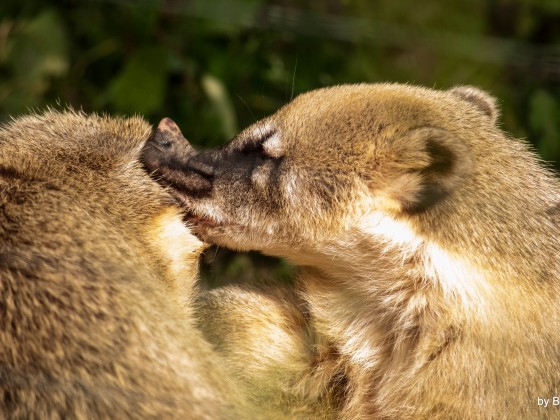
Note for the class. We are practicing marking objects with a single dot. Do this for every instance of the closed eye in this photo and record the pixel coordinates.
(254, 146)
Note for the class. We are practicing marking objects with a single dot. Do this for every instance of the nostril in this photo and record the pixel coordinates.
(166, 147)
(170, 158)
(167, 133)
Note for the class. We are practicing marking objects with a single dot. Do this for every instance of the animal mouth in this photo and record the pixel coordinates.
(199, 221)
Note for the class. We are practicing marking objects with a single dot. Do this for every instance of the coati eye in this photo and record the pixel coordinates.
(253, 147)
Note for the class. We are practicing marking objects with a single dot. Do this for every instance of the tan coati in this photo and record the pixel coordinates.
(428, 244)
(97, 274)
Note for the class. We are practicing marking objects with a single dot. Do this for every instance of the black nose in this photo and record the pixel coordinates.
(167, 135)
(165, 146)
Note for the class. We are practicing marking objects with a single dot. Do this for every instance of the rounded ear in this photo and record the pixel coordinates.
(438, 163)
(481, 99)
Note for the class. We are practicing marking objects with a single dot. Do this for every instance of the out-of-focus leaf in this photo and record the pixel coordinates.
(140, 86)
(221, 102)
(39, 48)
(36, 51)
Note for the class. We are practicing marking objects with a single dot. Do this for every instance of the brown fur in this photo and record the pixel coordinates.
(97, 274)
(428, 243)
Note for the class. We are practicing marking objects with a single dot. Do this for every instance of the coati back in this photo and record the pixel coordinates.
(427, 240)
(97, 273)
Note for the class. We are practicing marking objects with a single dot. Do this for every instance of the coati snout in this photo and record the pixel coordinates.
(168, 154)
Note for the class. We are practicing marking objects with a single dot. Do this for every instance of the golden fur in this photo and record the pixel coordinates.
(428, 246)
(97, 277)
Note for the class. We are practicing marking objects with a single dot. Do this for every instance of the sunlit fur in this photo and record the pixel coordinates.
(279, 361)
(97, 275)
(428, 246)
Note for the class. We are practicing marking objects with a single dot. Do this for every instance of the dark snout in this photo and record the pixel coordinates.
(171, 159)
(166, 145)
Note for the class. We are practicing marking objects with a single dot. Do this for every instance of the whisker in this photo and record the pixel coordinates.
(294, 79)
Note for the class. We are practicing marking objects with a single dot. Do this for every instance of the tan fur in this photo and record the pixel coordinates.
(428, 243)
(97, 274)
(242, 321)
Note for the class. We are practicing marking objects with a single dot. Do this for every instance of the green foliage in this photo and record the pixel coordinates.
(32, 59)
(544, 119)
(140, 85)
(215, 66)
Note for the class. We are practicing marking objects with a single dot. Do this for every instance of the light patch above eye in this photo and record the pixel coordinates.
(272, 146)
(266, 140)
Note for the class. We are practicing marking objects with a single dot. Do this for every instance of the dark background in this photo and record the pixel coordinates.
(217, 66)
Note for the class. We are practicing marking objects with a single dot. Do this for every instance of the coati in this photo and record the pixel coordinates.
(427, 241)
(97, 277)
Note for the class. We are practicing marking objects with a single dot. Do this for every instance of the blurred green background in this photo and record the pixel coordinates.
(215, 66)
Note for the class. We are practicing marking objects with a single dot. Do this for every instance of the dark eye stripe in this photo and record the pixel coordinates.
(255, 144)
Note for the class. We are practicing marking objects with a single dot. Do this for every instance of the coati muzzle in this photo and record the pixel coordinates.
(171, 159)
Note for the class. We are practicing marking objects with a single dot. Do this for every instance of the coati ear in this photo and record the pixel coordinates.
(437, 163)
(481, 99)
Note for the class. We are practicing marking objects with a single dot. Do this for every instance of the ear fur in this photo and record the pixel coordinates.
(481, 99)
(443, 162)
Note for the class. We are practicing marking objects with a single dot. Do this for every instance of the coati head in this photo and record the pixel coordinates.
(338, 160)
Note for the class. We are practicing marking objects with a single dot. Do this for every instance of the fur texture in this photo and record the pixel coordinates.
(97, 276)
(428, 243)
